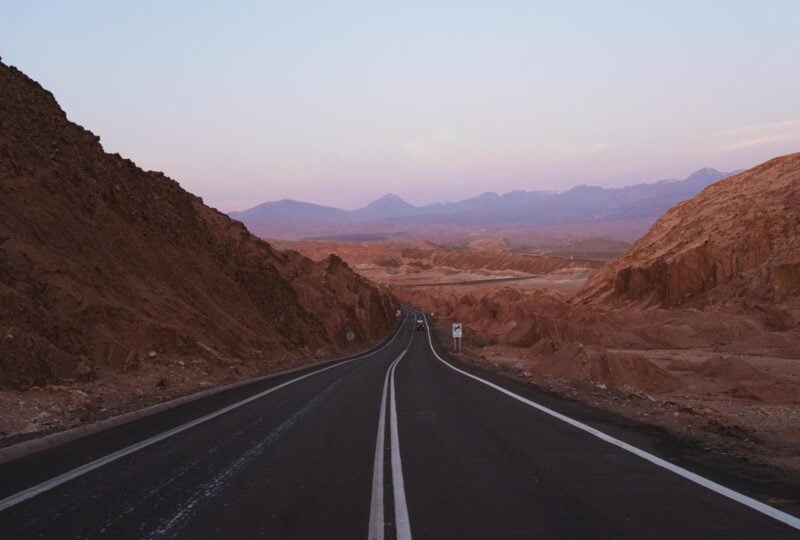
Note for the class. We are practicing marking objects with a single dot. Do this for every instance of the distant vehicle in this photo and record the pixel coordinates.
(420, 324)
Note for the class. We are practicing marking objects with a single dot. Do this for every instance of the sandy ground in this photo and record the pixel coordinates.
(425, 263)
(566, 280)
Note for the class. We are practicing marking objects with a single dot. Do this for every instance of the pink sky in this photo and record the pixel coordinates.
(339, 104)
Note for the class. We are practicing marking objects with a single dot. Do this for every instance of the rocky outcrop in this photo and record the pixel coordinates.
(101, 261)
(735, 243)
(610, 369)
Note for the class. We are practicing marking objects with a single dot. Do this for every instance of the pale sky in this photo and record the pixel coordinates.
(341, 102)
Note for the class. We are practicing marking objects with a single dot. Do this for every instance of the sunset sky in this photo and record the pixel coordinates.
(341, 102)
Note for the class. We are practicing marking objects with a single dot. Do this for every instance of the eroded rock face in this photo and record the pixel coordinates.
(85, 371)
(27, 360)
(737, 241)
(100, 260)
(786, 279)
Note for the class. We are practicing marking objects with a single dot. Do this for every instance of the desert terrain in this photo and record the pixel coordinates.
(481, 262)
(695, 329)
(396, 270)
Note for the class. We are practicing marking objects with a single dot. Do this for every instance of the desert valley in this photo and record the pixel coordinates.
(554, 338)
(694, 328)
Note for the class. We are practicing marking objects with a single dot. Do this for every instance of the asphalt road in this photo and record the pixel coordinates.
(396, 443)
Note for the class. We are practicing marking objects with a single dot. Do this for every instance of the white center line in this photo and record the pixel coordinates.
(377, 520)
(402, 523)
(758, 506)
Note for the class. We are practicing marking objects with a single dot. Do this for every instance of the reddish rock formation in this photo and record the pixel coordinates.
(735, 243)
(101, 261)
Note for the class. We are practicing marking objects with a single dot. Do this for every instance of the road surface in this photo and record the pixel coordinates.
(396, 443)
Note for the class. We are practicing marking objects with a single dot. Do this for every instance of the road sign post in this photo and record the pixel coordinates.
(350, 335)
(458, 332)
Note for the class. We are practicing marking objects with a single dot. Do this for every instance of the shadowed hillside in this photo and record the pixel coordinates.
(738, 242)
(102, 264)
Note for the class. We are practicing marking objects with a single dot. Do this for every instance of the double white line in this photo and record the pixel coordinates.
(376, 511)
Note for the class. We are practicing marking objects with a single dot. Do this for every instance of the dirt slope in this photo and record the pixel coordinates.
(738, 242)
(102, 262)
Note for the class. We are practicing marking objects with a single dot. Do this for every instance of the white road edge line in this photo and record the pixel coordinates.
(401, 520)
(758, 506)
(56, 481)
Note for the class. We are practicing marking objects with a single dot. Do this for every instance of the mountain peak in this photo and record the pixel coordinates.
(580, 204)
(705, 173)
(388, 199)
(388, 206)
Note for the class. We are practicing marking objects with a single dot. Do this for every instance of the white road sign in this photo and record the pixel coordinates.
(350, 335)
(457, 330)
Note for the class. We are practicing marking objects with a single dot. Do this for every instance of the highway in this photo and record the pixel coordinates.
(398, 443)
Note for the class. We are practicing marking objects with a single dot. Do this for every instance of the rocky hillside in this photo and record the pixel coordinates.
(738, 242)
(102, 264)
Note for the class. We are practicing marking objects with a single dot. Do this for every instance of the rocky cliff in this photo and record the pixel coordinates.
(102, 263)
(738, 242)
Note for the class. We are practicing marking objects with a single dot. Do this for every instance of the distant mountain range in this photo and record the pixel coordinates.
(525, 209)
